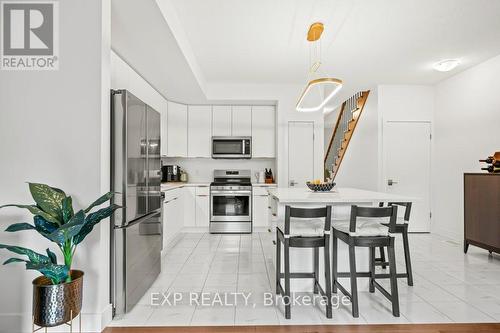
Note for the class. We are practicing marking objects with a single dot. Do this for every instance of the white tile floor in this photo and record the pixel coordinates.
(449, 286)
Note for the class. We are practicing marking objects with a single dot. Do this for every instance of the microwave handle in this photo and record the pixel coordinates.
(244, 146)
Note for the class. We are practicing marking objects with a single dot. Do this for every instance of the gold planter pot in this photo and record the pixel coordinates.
(56, 304)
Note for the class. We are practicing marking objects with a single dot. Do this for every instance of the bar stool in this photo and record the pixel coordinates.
(306, 230)
(401, 228)
(365, 230)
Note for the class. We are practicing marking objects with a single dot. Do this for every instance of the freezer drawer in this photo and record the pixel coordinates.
(137, 260)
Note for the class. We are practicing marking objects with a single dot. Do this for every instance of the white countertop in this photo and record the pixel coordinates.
(337, 195)
(174, 185)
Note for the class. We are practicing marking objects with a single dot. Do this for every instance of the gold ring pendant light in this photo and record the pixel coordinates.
(320, 90)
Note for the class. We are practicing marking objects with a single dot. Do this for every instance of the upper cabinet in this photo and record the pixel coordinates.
(199, 130)
(187, 130)
(241, 121)
(164, 130)
(177, 125)
(221, 120)
(263, 131)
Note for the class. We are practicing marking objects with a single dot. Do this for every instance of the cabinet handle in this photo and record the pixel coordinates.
(202, 195)
(171, 200)
(273, 214)
(268, 207)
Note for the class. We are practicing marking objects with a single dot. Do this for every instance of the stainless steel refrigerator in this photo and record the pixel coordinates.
(136, 235)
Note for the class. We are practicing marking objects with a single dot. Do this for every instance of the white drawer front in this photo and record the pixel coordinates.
(259, 190)
(172, 194)
(202, 190)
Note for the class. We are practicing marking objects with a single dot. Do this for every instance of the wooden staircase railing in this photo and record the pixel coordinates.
(347, 120)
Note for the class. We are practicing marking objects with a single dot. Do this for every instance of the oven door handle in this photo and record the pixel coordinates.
(231, 192)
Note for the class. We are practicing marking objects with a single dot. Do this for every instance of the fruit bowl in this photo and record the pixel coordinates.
(322, 187)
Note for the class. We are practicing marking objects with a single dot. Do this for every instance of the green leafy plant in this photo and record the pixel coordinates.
(55, 219)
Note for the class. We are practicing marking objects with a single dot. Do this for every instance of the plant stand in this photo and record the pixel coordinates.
(69, 323)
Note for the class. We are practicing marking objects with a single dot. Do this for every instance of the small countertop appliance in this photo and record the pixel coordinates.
(171, 173)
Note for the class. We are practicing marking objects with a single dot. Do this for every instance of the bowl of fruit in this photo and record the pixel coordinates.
(319, 186)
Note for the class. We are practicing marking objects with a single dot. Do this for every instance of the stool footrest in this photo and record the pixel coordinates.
(299, 275)
(358, 274)
(342, 289)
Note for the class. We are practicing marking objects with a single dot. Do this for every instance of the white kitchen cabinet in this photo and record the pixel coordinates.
(189, 206)
(221, 120)
(164, 130)
(173, 215)
(242, 121)
(177, 126)
(202, 198)
(199, 130)
(263, 131)
(260, 209)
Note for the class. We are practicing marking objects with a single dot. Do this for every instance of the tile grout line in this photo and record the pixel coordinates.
(237, 279)
(152, 312)
(205, 281)
(273, 286)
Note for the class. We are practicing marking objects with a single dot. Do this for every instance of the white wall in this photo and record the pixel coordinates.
(406, 102)
(467, 121)
(360, 166)
(125, 77)
(52, 125)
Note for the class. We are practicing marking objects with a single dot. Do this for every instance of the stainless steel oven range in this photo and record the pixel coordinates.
(231, 202)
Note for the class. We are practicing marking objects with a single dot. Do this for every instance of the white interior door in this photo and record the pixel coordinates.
(407, 148)
(300, 153)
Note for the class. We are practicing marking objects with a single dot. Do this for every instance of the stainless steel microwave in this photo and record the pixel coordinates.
(232, 147)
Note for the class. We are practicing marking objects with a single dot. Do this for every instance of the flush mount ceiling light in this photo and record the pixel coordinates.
(320, 89)
(446, 65)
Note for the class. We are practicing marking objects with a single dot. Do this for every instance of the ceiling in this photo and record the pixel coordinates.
(185, 47)
(365, 42)
(141, 36)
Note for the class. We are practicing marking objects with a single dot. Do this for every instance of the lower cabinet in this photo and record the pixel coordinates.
(185, 207)
(173, 215)
(189, 206)
(260, 210)
(202, 211)
(202, 202)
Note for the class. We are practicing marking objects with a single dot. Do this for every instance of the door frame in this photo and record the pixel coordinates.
(288, 146)
(383, 155)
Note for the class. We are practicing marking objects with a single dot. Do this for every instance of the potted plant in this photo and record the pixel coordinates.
(57, 294)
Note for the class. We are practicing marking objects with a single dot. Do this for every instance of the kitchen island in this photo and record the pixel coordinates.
(301, 260)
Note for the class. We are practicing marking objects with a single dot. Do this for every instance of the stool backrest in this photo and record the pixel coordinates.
(308, 213)
(407, 206)
(374, 212)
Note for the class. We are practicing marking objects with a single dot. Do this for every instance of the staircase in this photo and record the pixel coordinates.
(348, 118)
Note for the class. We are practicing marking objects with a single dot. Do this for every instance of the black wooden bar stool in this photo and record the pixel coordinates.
(306, 230)
(365, 230)
(401, 228)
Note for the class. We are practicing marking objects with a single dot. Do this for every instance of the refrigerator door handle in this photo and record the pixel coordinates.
(139, 220)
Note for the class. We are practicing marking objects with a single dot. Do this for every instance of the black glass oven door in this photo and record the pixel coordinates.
(231, 207)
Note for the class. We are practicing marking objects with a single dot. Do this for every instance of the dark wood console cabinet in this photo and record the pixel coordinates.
(482, 211)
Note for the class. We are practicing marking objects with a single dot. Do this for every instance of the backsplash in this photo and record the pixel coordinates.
(200, 170)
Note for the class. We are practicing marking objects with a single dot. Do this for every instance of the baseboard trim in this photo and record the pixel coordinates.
(91, 322)
(447, 234)
(194, 229)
